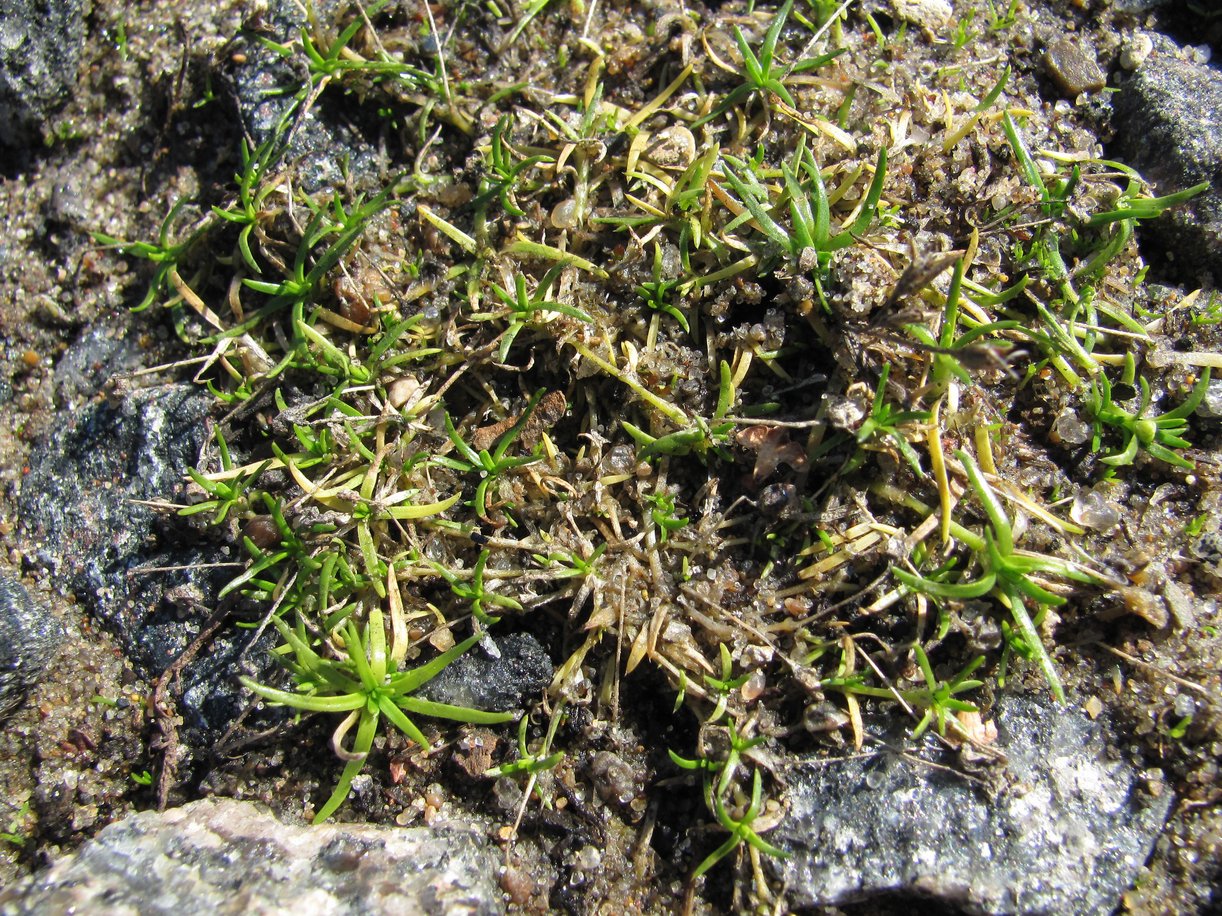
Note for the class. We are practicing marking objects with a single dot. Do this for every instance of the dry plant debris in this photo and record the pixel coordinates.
(726, 354)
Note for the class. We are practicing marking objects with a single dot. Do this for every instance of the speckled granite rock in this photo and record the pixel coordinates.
(40, 48)
(1168, 121)
(221, 856)
(1066, 833)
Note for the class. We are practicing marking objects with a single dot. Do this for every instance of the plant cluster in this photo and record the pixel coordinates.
(596, 350)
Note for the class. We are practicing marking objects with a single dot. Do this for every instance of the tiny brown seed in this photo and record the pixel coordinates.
(262, 532)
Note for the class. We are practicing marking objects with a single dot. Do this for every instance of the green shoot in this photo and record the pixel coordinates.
(1157, 436)
(884, 420)
(365, 685)
(489, 465)
(1005, 572)
(763, 75)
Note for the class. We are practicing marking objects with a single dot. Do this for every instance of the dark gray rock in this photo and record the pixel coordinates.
(1066, 834)
(261, 89)
(498, 679)
(142, 572)
(101, 351)
(1168, 122)
(40, 48)
(76, 502)
(228, 857)
(28, 638)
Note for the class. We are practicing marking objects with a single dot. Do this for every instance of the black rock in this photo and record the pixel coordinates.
(1065, 832)
(139, 570)
(77, 501)
(325, 142)
(1168, 123)
(101, 351)
(28, 638)
(40, 48)
(496, 674)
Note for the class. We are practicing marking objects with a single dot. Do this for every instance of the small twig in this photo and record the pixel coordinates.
(1154, 669)
(145, 570)
(783, 424)
(163, 713)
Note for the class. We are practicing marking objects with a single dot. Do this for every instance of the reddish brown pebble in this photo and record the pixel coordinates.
(262, 532)
(518, 885)
(355, 311)
(1073, 67)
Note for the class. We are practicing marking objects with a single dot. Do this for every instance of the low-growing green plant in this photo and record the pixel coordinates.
(166, 255)
(531, 762)
(225, 492)
(700, 437)
(14, 835)
(254, 187)
(571, 564)
(489, 465)
(141, 778)
(1007, 572)
(1156, 436)
(722, 687)
(524, 309)
(937, 698)
(657, 292)
(504, 175)
(332, 230)
(886, 421)
(808, 242)
(364, 682)
(763, 75)
(732, 352)
(471, 589)
(736, 815)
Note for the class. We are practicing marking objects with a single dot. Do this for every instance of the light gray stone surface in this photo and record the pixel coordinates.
(221, 857)
(1065, 833)
(1168, 122)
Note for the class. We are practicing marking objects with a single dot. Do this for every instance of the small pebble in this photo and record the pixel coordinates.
(753, 686)
(564, 215)
(1180, 603)
(589, 858)
(1073, 67)
(1135, 51)
(1184, 706)
(1092, 510)
(930, 15)
(845, 412)
(1069, 429)
(1148, 607)
(1208, 547)
(518, 885)
(403, 391)
(673, 148)
(1211, 405)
